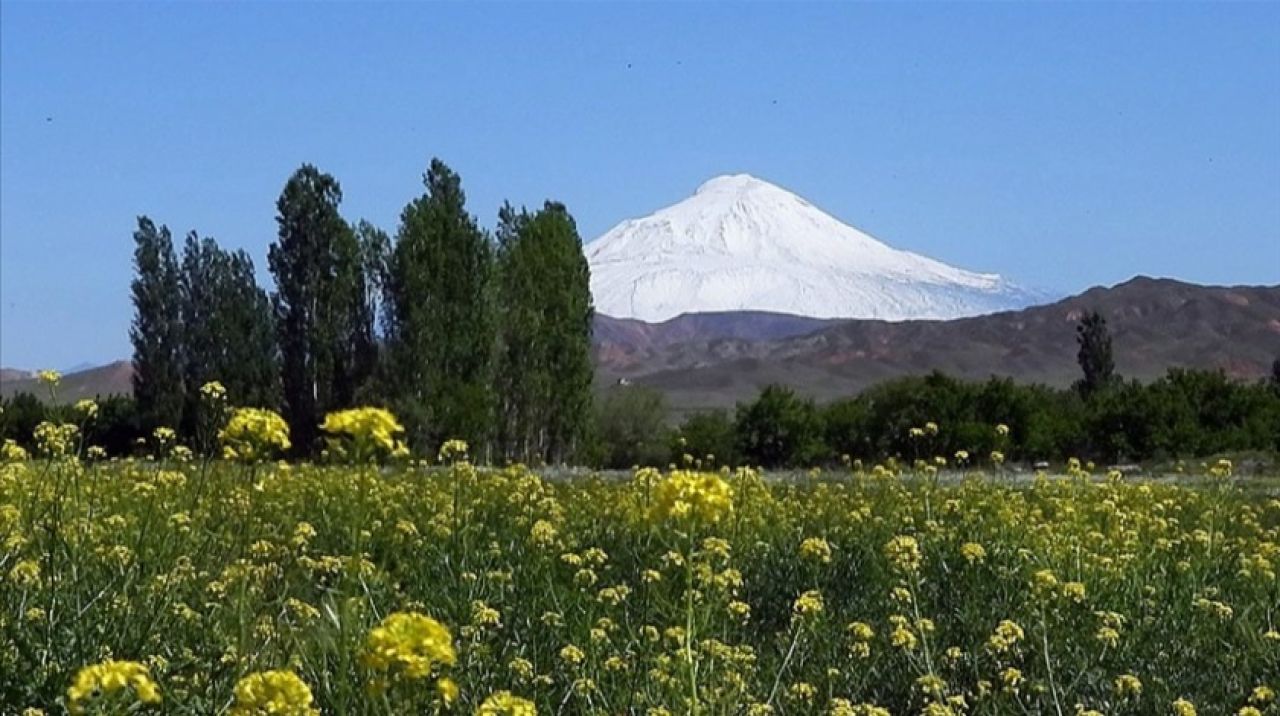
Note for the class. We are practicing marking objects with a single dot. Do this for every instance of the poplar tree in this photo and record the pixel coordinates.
(229, 328)
(1095, 357)
(440, 333)
(323, 320)
(544, 356)
(156, 331)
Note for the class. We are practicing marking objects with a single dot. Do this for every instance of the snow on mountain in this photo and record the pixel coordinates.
(740, 243)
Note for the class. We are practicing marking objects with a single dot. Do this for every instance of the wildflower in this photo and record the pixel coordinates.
(1002, 430)
(1127, 685)
(504, 703)
(447, 689)
(254, 434)
(1182, 707)
(815, 549)
(1007, 634)
(904, 553)
(1108, 636)
(273, 693)
(50, 378)
(371, 430)
(213, 391)
(973, 552)
(110, 680)
(1011, 678)
(408, 645)
(86, 409)
(860, 631)
(1262, 695)
(1074, 591)
(572, 655)
(453, 450)
(808, 604)
(690, 496)
(26, 573)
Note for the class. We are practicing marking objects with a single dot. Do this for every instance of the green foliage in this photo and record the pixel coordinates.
(780, 428)
(156, 332)
(324, 320)
(709, 437)
(439, 321)
(544, 369)
(630, 427)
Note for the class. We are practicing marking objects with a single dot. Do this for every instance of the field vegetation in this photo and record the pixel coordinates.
(371, 582)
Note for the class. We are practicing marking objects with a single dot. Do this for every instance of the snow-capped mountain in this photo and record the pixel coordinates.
(740, 243)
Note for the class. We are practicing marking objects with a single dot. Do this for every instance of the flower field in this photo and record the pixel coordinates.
(188, 587)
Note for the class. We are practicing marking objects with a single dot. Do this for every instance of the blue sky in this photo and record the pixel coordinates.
(1061, 145)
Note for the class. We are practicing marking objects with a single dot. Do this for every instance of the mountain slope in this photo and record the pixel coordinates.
(740, 243)
(1155, 324)
(111, 379)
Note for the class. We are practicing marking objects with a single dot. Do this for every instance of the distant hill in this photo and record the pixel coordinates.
(716, 359)
(12, 374)
(1155, 323)
(111, 379)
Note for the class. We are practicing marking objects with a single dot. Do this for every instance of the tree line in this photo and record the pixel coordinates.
(462, 333)
(1103, 417)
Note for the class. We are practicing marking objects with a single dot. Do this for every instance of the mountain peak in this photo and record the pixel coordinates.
(742, 243)
(732, 183)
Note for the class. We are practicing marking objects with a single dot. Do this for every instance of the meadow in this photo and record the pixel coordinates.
(174, 584)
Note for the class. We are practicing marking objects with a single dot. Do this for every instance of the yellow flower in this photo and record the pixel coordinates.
(408, 645)
(973, 552)
(816, 549)
(26, 573)
(1127, 685)
(504, 703)
(685, 496)
(453, 450)
(904, 553)
(273, 693)
(50, 378)
(572, 655)
(370, 429)
(1262, 695)
(808, 604)
(1182, 707)
(254, 434)
(109, 680)
(213, 391)
(86, 408)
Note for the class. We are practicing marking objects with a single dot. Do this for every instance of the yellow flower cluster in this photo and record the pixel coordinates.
(816, 549)
(121, 683)
(408, 645)
(903, 553)
(56, 440)
(685, 496)
(273, 693)
(504, 703)
(254, 434)
(372, 430)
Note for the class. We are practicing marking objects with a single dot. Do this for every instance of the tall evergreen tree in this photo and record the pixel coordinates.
(1095, 356)
(230, 332)
(440, 333)
(544, 374)
(323, 319)
(156, 332)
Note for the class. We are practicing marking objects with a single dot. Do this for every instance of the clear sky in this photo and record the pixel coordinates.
(1061, 145)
